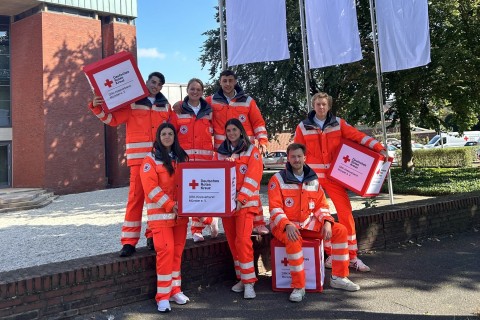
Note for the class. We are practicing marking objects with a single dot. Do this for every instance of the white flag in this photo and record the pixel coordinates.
(403, 34)
(256, 31)
(332, 32)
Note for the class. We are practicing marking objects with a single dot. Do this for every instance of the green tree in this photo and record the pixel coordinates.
(450, 81)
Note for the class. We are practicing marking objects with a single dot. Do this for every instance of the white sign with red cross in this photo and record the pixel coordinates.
(206, 188)
(313, 265)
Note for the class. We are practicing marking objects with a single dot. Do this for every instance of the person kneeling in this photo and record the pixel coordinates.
(299, 209)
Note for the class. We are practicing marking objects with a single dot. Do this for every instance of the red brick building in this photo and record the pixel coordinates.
(48, 137)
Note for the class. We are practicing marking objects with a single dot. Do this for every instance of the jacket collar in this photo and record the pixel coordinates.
(289, 177)
(205, 108)
(330, 121)
(239, 96)
(226, 150)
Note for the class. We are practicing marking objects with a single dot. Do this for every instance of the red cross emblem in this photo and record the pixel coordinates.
(183, 129)
(284, 262)
(243, 169)
(242, 118)
(289, 202)
(193, 184)
(346, 159)
(378, 172)
(108, 83)
(465, 138)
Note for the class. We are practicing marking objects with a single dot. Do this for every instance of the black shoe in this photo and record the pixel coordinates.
(150, 245)
(127, 250)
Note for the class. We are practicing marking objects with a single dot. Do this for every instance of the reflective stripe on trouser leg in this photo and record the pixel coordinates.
(342, 204)
(340, 257)
(133, 215)
(294, 257)
(169, 244)
(238, 230)
(198, 224)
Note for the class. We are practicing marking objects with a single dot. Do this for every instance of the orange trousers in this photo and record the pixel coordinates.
(339, 252)
(169, 244)
(132, 223)
(342, 204)
(238, 230)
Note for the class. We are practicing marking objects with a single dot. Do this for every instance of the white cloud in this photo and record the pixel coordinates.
(150, 53)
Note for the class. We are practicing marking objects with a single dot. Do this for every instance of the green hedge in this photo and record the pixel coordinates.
(444, 158)
(434, 181)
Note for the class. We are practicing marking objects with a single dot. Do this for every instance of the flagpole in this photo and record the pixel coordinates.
(380, 95)
(305, 53)
(222, 34)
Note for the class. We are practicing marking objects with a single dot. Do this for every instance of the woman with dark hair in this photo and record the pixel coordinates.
(169, 230)
(238, 228)
(193, 123)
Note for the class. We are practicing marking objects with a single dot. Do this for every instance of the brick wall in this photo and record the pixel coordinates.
(75, 287)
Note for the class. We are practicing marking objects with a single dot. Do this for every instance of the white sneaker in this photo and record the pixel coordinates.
(249, 292)
(359, 265)
(261, 229)
(179, 298)
(164, 306)
(198, 237)
(297, 295)
(214, 228)
(328, 262)
(343, 283)
(238, 287)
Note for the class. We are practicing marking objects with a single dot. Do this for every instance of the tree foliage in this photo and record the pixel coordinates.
(420, 95)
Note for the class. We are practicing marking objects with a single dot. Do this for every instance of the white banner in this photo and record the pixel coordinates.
(332, 32)
(403, 34)
(256, 31)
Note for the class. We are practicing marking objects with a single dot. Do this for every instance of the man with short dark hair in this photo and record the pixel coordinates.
(142, 119)
(299, 209)
(230, 101)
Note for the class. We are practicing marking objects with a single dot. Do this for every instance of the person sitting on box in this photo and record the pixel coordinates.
(298, 208)
(321, 133)
(238, 148)
(142, 119)
(169, 231)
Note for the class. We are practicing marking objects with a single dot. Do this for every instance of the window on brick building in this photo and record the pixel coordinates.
(5, 105)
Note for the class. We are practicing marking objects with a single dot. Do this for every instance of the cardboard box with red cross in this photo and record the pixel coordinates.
(206, 188)
(117, 80)
(313, 264)
(359, 169)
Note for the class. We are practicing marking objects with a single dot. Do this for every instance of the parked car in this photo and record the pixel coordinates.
(275, 160)
(471, 143)
(415, 146)
(392, 153)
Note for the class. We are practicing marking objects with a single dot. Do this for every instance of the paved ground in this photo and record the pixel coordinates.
(438, 278)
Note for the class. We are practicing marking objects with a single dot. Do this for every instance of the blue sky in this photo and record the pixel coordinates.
(169, 37)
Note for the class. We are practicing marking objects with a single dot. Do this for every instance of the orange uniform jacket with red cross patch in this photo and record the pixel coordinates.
(241, 107)
(160, 193)
(142, 119)
(249, 170)
(195, 132)
(290, 201)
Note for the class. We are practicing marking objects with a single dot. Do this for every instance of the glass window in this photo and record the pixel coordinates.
(4, 164)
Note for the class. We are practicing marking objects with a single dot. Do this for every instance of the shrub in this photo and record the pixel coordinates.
(443, 158)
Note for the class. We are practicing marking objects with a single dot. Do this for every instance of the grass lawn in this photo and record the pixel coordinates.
(428, 181)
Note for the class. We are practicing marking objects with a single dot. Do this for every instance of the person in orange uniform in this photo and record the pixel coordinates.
(194, 127)
(232, 102)
(299, 209)
(169, 231)
(321, 133)
(238, 228)
(142, 119)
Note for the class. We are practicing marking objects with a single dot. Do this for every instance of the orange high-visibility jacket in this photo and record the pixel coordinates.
(249, 170)
(160, 193)
(322, 143)
(293, 202)
(142, 120)
(194, 131)
(241, 107)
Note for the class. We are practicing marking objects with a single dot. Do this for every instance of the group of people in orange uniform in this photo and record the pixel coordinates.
(160, 136)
